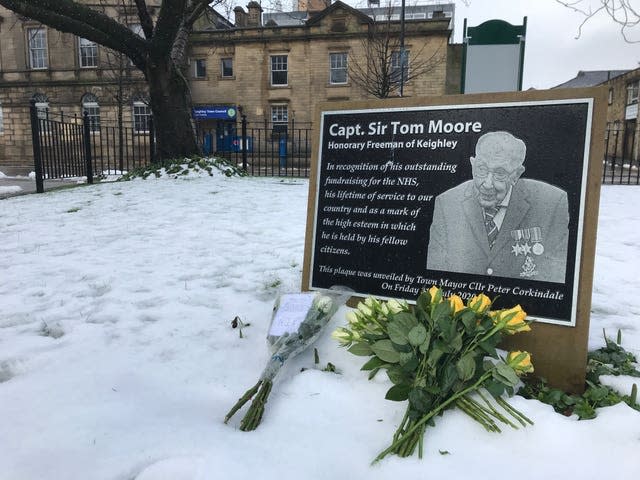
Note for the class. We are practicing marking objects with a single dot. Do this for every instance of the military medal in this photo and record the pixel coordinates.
(528, 268)
(536, 238)
(516, 249)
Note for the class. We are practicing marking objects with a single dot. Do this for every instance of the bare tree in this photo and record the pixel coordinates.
(625, 13)
(159, 53)
(378, 71)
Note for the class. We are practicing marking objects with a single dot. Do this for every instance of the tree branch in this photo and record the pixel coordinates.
(71, 17)
(146, 22)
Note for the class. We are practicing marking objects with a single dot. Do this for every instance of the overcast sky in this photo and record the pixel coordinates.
(552, 54)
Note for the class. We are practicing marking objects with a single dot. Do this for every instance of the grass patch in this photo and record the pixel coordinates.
(183, 167)
(612, 359)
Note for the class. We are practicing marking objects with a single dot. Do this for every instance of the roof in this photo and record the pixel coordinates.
(591, 78)
(414, 12)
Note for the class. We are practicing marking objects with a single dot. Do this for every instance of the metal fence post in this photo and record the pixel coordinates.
(87, 147)
(37, 150)
(244, 142)
(152, 140)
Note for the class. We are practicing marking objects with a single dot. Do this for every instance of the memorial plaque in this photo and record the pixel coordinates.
(474, 193)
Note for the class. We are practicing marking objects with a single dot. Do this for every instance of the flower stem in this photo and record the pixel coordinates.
(517, 414)
(496, 413)
(242, 400)
(462, 405)
(432, 414)
(253, 416)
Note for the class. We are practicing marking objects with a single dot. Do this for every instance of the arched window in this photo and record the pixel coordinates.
(91, 106)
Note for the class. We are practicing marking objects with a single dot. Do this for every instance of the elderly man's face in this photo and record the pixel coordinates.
(493, 176)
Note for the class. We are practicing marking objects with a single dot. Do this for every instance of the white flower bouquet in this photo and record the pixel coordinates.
(297, 321)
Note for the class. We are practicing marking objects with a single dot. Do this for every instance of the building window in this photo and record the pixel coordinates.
(610, 99)
(90, 105)
(226, 65)
(279, 118)
(278, 70)
(88, 53)
(141, 116)
(37, 39)
(395, 70)
(337, 68)
(200, 68)
(632, 92)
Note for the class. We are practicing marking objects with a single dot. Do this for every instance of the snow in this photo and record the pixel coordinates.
(10, 189)
(118, 361)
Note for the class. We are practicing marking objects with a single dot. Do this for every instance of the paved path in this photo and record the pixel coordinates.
(12, 186)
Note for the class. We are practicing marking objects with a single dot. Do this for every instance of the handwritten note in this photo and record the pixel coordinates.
(291, 313)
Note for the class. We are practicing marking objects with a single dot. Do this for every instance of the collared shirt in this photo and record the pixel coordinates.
(502, 209)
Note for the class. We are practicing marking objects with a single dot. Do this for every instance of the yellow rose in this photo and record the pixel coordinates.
(520, 362)
(436, 294)
(456, 303)
(514, 319)
(479, 303)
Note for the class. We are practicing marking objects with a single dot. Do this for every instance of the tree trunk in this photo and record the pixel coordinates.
(171, 106)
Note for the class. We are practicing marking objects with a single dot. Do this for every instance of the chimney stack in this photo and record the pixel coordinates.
(241, 17)
(255, 14)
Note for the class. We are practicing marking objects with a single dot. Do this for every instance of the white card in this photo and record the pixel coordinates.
(291, 313)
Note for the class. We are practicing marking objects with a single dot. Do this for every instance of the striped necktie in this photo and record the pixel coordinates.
(490, 225)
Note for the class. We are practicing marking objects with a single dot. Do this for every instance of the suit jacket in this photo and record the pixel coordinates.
(458, 240)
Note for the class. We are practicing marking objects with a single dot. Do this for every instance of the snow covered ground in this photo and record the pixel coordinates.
(118, 361)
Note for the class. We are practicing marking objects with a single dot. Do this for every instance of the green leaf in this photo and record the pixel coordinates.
(466, 367)
(442, 312)
(360, 349)
(494, 387)
(424, 347)
(409, 362)
(448, 378)
(434, 356)
(406, 320)
(372, 364)
(505, 374)
(373, 373)
(384, 349)
(398, 393)
(489, 349)
(420, 400)
(397, 375)
(423, 301)
(468, 319)
(398, 333)
(456, 343)
(417, 335)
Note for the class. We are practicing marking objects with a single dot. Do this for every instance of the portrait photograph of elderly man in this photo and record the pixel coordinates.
(498, 223)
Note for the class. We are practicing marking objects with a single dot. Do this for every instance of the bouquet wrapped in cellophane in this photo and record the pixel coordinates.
(440, 354)
(297, 321)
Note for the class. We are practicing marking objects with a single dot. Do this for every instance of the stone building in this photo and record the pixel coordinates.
(622, 117)
(65, 75)
(623, 130)
(274, 68)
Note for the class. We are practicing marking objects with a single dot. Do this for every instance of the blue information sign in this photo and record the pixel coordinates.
(214, 112)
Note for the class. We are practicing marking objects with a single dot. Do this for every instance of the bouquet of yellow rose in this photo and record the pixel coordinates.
(439, 354)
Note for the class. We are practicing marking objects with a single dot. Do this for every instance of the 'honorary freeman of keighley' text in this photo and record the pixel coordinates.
(427, 144)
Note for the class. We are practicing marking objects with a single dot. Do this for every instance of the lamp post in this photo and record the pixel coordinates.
(402, 53)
